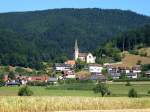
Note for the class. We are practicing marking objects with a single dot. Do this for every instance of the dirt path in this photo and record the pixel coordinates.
(123, 110)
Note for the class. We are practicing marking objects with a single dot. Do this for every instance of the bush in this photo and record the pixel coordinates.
(148, 93)
(101, 88)
(139, 62)
(128, 83)
(132, 93)
(135, 52)
(25, 91)
(2, 83)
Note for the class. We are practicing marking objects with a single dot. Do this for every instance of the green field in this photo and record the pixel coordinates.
(117, 89)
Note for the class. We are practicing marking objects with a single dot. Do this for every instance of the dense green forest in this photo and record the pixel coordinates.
(29, 38)
(131, 41)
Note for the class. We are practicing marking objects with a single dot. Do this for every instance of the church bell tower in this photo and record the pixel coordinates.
(76, 53)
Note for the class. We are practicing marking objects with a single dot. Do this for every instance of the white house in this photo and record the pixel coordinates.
(62, 67)
(69, 74)
(86, 57)
(95, 68)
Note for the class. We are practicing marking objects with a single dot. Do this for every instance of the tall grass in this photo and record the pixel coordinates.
(48, 104)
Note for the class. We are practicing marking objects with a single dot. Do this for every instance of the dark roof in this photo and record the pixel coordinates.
(83, 54)
(61, 65)
(95, 65)
(52, 79)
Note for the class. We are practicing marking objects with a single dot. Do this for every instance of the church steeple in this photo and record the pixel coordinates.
(76, 50)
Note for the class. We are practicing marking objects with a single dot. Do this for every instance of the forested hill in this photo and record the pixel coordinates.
(28, 38)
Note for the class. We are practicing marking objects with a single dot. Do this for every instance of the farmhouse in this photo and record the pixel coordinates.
(86, 57)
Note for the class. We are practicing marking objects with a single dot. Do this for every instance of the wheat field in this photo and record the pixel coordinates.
(49, 104)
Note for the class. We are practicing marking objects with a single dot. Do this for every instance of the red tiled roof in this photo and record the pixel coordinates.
(70, 62)
(38, 78)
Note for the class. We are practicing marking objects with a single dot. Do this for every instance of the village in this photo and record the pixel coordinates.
(90, 71)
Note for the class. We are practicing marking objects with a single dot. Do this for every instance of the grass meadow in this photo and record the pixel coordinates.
(117, 90)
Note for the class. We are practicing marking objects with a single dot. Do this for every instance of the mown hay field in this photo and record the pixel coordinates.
(49, 104)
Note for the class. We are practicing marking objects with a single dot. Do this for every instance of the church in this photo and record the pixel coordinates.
(86, 57)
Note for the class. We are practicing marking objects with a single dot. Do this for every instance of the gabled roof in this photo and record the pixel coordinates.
(83, 54)
(70, 62)
(61, 65)
(96, 65)
(52, 79)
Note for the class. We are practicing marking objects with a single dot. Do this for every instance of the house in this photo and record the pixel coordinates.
(69, 74)
(62, 67)
(116, 72)
(38, 78)
(147, 73)
(95, 68)
(136, 69)
(86, 57)
(132, 75)
(52, 80)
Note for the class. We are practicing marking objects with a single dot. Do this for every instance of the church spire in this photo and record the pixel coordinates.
(76, 45)
(76, 50)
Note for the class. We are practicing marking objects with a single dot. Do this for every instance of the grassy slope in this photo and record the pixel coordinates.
(145, 50)
(131, 60)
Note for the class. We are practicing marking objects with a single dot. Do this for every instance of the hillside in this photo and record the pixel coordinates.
(131, 60)
(28, 38)
(135, 41)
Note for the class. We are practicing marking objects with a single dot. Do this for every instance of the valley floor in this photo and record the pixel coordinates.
(118, 89)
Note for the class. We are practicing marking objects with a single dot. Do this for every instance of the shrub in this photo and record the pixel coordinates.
(61, 81)
(101, 88)
(144, 54)
(132, 93)
(25, 91)
(11, 75)
(148, 93)
(135, 52)
(2, 83)
(128, 83)
(139, 62)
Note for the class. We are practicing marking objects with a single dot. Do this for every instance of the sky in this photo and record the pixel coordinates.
(139, 6)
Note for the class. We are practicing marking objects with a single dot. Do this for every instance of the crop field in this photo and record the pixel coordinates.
(48, 104)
